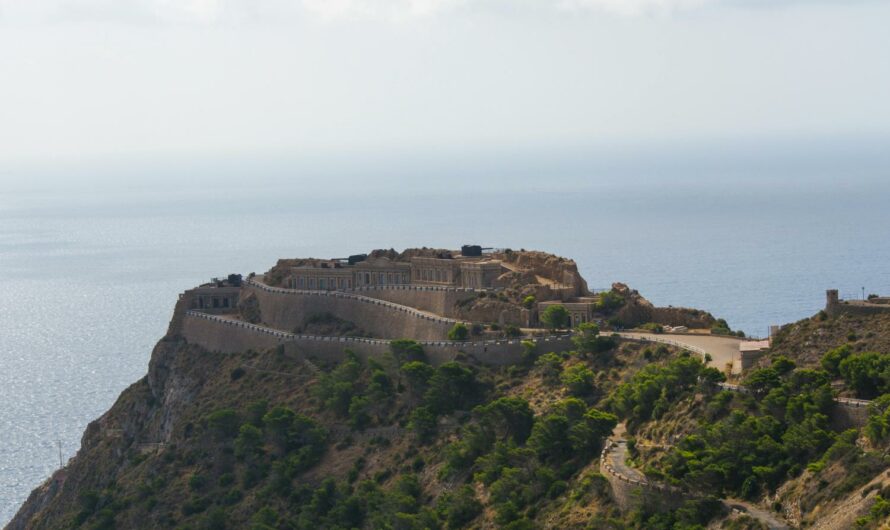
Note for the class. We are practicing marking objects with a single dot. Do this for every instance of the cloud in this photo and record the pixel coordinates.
(633, 7)
(378, 9)
(218, 11)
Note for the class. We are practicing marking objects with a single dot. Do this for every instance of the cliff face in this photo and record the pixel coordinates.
(274, 439)
(546, 269)
(637, 310)
(142, 421)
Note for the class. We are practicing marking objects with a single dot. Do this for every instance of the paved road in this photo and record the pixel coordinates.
(617, 458)
(723, 350)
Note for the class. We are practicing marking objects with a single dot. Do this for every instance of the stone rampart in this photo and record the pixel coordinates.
(290, 308)
(850, 413)
(856, 308)
(216, 334)
(434, 299)
(226, 335)
(834, 306)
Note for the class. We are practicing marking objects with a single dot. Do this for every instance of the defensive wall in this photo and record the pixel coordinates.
(834, 306)
(850, 413)
(226, 335)
(431, 298)
(290, 308)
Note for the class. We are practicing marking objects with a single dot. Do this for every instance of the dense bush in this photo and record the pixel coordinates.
(650, 393)
(867, 373)
(550, 365)
(555, 316)
(609, 300)
(458, 332)
(745, 453)
(578, 380)
(588, 340)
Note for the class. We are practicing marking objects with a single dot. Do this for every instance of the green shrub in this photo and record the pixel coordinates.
(555, 316)
(223, 423)
(460, 507)
(458, 332)
(578, 380)
(550, 365)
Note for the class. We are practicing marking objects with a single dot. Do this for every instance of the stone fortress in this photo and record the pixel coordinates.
(421, 294)
(872, 305)
(322, 307)
(471, 268)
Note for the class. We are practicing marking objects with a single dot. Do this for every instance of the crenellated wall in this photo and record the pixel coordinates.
(288, 309)
(216, 333)
(849, 413)
(434, 299)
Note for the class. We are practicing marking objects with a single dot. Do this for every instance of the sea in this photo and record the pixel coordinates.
(90, 277)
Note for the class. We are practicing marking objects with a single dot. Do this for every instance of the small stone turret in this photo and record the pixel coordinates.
(832, 301)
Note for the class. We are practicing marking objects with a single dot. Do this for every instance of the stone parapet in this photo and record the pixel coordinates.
(226, 335)
(435, 299)
(633, 493)
(290, 308)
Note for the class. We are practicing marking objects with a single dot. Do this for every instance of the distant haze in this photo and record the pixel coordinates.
(561, 91)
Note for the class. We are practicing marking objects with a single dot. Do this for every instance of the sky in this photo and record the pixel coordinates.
(423, 87)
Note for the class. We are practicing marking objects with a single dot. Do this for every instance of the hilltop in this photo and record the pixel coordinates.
(443, 389)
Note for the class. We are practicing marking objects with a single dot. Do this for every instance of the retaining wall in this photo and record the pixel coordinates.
(289, 308)
(850, 413)
(225, 335)
(434, 299)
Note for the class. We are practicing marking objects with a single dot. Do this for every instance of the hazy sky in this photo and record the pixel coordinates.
(189, 81)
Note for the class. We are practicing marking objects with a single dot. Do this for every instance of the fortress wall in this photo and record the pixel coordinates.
(856, 308)
(288, 310)
(849, 415)
(435, 300)
(501, 352)
(747, 359)
(214, 335)
(231, 336)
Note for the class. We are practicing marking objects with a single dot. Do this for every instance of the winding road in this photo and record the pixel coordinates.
(723, 350)
(616, 457)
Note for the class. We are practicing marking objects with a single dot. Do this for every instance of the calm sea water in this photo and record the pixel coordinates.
(89, 281)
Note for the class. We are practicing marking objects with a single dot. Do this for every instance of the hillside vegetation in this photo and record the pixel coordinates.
(266, 440)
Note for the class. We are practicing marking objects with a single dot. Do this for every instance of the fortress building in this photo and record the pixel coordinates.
(475, 271)
(872, 305)
(219, 295)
